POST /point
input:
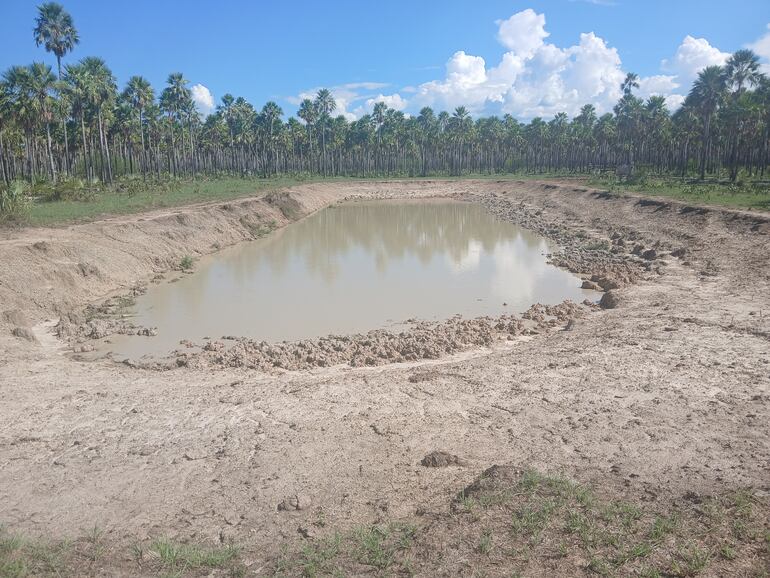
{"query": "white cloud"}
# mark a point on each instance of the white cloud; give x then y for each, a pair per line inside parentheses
(204, 100)
(523, 33)
(534, 77)
(346, 96)
(661, 85)
(538, 78)
(762, 48)
(762, 45)
(394, 101)
(692, 56)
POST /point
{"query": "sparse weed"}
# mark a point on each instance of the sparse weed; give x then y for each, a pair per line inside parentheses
(690, 561)
(485, 542)
(186, 263)
(177, 556)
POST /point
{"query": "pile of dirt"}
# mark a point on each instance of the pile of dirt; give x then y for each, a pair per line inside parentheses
(422, 340)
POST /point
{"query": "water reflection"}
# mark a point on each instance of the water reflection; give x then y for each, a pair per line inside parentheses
(352, 268)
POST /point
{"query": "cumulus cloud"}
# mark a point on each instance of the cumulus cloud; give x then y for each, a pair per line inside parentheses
(204, 100)
(692, 56)
(762, 48)
(538, 78)
(394, 101)
(523, 33)
(534, 77)
(349, 97)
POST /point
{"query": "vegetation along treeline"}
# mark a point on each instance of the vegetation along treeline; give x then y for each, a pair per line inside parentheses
(74, 123)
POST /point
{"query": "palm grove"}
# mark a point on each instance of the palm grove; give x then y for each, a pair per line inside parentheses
(75, 123)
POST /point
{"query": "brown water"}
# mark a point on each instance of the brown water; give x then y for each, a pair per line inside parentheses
(352, 268)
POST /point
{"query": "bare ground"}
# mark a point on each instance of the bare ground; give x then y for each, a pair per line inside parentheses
(666, 394)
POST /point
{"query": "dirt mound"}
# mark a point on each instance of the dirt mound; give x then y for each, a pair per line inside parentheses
(422, 340)
(439, 459)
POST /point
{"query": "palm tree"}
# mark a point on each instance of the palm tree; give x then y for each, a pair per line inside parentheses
(100, 90)
(742, 70)
(631, 82)
(309, 113)
(706, 95)
(75, 91)
(325, 105)
(271, 112)
(20, 103)
(460, 123)
(28, 95)
(41, 84)
(226, 110)
(139, 94)
(174, 101)
(55, 30)
(6, 115)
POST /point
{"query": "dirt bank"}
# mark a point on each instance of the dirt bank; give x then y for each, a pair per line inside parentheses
(667, 390)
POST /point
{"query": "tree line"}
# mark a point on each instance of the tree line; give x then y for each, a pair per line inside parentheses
(77, 123)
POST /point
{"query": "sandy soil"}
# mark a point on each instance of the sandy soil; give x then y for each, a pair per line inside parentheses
(668, 391)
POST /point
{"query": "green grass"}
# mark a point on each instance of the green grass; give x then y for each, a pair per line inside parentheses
(21, 557)
(523, 522)
(186, 263)
(743, 195)
(90, 202)
(539, 521)
(140, 197)
(379, 549)
(175, 557)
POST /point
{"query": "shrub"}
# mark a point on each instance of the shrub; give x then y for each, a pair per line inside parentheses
(186, 263)
(14, 202)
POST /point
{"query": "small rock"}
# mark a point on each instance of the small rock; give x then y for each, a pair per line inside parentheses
(294, 503)
(605, 282)
(609, 300)
(24, 333)
(650, 254)
(16, 317)
(590, 285)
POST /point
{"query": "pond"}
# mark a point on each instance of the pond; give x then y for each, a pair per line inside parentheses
(351, 268)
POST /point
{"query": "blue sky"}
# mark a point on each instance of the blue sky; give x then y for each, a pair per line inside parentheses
(408, 53)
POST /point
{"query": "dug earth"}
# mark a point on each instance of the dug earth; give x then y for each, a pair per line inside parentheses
(659, 389)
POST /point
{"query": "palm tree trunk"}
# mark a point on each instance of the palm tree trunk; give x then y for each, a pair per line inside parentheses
(85, 147)
(3, 169)
(104, 145)
(143, 158)
(50, 151)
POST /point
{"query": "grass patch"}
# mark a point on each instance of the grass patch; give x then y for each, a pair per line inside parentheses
(531, 523)
(379, 548)
(748, 194)
(186, 264)
(90, 554)
(135, 196)
(44, 204)
(178, 558)
(21, 557)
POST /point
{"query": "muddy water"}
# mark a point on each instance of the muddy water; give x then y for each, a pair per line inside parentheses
(351, 268)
